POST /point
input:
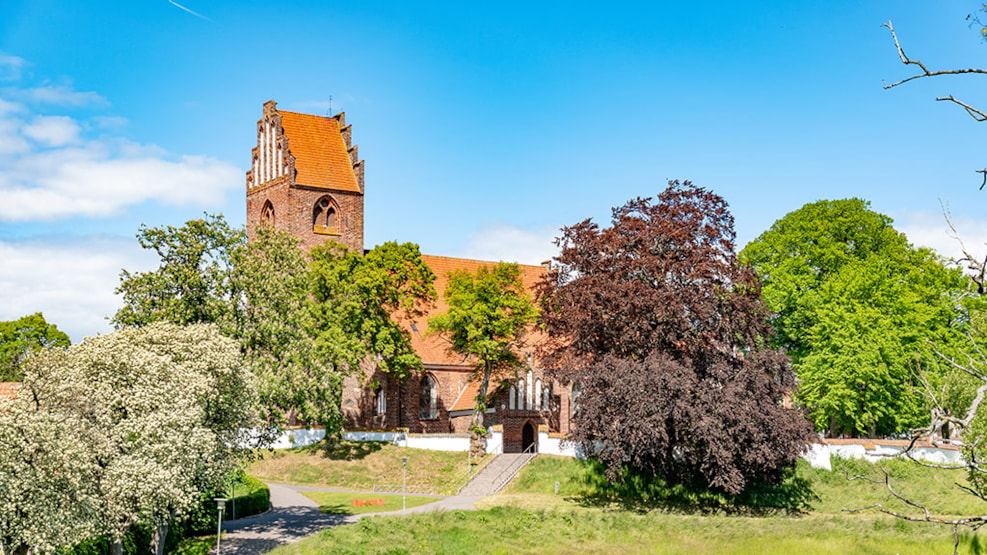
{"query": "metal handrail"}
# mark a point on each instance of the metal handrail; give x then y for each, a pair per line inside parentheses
(500, 481)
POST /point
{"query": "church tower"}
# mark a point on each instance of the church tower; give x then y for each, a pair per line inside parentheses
(306, 178)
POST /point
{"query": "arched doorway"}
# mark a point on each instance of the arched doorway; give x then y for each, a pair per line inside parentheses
(529, 438)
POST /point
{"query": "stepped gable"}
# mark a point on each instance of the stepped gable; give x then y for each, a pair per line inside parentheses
(306, 178)
(305, 150)
(433, 348)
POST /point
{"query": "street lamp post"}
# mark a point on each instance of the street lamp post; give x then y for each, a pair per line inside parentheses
(404, 487)
(220, 505)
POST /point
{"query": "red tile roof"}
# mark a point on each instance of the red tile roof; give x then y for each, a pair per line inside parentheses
(467, 397)
(432, 347)
(321, 157)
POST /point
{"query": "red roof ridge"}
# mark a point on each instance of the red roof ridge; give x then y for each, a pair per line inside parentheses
(480, 261)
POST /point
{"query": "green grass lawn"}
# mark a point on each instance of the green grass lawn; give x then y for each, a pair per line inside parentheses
(341, 503)
(359, 465)
(588, 515)
(511, 530)
(580, 483)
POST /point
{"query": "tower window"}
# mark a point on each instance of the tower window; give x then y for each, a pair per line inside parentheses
(267, 214)
(324, 217)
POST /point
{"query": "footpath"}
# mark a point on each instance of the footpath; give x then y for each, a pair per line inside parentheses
(293, 516)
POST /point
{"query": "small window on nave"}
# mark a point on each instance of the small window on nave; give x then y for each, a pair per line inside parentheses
(429, 398)
(381, 401)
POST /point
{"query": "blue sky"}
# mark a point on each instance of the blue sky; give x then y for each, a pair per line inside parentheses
(484, 128)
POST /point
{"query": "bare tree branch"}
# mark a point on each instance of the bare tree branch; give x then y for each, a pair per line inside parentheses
(976, 114)
(972, 263)
(925, 72)
(974, 523)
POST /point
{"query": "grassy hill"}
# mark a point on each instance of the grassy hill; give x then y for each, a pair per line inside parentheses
(809, 490)
(358, 465)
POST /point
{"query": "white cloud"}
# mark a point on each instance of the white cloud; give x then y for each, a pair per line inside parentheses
(112, 123)
(71, 283)
(7, 107)
(931, 230)
(60, 95)
(11, 141)
(512, 244)
(52, 130)
(62, 173)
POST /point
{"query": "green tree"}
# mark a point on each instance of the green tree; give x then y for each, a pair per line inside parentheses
(256, 292)
(855, 307)
(301, 324)
(271, 319)
(193, 282)
(489, 314)
(357, 302)
(19, 338)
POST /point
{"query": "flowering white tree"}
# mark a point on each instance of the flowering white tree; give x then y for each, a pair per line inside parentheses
(159, 412)
(45, 480)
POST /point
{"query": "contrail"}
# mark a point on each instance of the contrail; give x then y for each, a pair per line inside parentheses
(181, 7)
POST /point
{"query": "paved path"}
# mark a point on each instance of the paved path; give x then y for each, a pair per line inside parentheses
(496, 474)
(294, 516)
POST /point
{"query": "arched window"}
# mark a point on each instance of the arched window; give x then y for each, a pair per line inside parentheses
(546, 396)
(537, 398)
(267, 213)
(529, 394)
(381, 402)
(429, 398)
(324, 216)
(512, 398)
(520, 395)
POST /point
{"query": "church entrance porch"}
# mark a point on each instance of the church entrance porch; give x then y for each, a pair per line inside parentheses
(529, 439)
(521, 433)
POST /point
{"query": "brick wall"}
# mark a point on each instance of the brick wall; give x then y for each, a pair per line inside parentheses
(404, 406)
(293, 211)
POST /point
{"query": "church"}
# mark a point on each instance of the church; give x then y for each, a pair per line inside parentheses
(306, 177)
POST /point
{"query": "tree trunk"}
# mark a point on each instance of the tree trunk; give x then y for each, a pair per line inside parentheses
(161, 534)
(478, 432)
(116, 547)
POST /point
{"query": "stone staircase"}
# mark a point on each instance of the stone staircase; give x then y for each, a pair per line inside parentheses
(496, 474)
